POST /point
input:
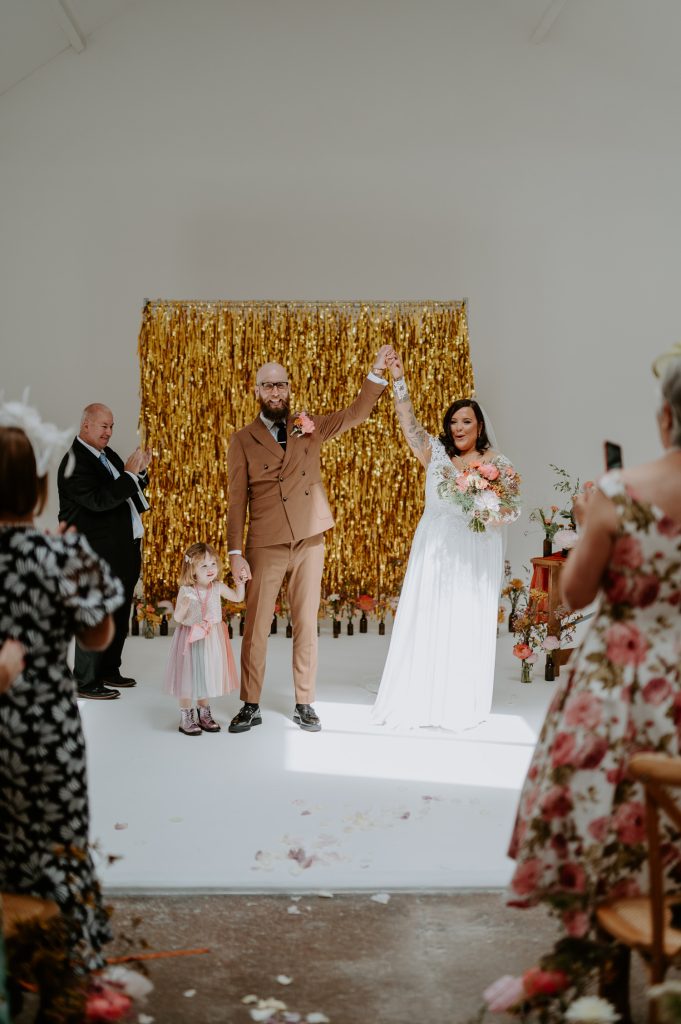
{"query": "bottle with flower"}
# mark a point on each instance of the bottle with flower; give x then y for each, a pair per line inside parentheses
(366, 605)
(334, 603)
(513, 591)
(530, 630)
(547, 518)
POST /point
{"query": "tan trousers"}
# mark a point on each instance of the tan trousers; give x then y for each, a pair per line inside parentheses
(304, 563)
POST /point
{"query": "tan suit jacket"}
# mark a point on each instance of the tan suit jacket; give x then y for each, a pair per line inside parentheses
(282, 491)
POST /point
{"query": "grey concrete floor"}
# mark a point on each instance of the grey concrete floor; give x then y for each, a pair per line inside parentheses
(419, 958)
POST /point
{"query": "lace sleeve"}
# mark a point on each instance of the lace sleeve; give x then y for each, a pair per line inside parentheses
(187, 610)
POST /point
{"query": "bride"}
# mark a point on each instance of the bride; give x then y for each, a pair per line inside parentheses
(440, 666)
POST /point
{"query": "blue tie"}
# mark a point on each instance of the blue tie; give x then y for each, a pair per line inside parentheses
(104, 461)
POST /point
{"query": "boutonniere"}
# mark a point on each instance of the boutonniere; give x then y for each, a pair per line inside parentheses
(302, 424)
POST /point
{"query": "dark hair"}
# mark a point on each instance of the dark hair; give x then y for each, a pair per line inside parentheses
(22, 491)
(482, 443)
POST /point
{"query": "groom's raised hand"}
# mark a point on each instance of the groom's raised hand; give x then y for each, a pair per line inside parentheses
(380, 360)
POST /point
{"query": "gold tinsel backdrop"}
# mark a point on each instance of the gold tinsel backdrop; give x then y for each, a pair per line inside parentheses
(198, 362)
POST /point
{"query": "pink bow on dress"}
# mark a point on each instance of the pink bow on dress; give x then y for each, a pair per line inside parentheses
(199, 631)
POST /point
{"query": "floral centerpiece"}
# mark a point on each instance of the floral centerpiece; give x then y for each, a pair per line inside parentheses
(151, 615)
(487, 492)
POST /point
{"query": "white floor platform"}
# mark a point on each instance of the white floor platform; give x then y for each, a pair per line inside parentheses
(351, 807)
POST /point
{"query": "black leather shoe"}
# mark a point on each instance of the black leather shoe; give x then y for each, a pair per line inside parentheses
(118, 680)
(98, 692)
(248, 716)
(306, 718)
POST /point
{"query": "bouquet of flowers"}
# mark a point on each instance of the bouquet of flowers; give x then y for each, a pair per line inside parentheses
(487, 492)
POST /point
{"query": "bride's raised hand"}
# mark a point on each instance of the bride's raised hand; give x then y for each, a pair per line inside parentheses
(394, 364)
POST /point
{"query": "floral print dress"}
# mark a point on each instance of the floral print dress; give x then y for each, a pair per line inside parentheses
(50, 588)
(580, 836)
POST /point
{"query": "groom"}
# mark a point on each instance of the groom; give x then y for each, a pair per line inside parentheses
(274, 475)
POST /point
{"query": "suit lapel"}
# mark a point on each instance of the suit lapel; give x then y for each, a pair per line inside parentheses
(290, 441)
(262, 435)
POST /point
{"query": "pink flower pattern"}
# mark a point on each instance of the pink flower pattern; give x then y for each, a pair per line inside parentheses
(580, 831)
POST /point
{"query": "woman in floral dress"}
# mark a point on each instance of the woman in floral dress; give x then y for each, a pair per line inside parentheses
(579, 837)
(52, 587)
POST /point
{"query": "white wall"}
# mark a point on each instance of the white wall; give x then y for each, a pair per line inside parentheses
(368, 149)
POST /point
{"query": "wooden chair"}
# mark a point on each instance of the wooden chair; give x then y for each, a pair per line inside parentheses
(644, 923)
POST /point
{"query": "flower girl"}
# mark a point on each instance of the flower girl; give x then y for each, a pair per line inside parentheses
(201, 664)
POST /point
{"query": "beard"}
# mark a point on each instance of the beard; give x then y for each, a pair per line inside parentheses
(278, 414)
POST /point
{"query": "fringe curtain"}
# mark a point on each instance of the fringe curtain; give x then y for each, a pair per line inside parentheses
(198, 362)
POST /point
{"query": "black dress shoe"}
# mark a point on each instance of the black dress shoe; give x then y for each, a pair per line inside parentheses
(118, 680)
(248, 716)
(306, 718)
(97, 692)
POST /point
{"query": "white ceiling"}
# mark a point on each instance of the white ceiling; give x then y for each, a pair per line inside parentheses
(33, 32)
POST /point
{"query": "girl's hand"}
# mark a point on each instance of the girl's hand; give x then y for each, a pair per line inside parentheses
(11, 663)
(394, 364)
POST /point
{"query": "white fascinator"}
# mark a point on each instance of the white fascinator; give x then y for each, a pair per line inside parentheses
(46, 440)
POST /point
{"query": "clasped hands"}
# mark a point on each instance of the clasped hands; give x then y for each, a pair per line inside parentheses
(388, 358)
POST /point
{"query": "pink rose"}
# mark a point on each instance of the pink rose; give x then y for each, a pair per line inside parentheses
(303, 424)
(626, 645)
(551, 643)
(462, 483)
(504, 993)
(645, 591)
(626, 553)
(617, 587)
(538, 982)
(489, 471)
(526, 876)
(630, 822)
(599, 828)
(656, 690)
(591, 752)
(562, 749)
(667, 527)
(572, 877)
(557, 803)
(522, 651)
(583, 709)
(576, 923)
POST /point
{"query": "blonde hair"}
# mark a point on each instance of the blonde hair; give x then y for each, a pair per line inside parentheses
(192, 556)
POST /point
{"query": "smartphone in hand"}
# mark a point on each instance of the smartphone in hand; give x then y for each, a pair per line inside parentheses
(613, 455)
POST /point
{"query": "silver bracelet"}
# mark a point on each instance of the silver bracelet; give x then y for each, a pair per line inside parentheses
(400, 389)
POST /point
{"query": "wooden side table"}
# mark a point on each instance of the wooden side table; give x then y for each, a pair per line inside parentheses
(546, 576)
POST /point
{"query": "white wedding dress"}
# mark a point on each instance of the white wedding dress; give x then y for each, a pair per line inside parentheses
(440, 666)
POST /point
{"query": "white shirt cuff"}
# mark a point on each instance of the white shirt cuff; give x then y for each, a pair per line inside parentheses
(235, 552)
(375, 379)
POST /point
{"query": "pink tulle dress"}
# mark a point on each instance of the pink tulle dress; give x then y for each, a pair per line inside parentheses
(201, 663)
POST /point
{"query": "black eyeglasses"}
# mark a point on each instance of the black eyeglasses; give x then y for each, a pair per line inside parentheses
(280, 385)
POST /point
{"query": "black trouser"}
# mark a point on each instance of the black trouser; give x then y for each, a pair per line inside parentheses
(92, 666)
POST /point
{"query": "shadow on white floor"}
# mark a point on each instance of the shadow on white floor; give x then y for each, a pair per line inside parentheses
(351, 807)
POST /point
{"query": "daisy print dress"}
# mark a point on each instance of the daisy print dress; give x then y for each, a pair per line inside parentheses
(51, 588)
